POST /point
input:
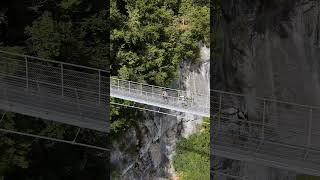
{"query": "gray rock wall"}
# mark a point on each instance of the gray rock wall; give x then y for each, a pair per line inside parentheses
(271, 49)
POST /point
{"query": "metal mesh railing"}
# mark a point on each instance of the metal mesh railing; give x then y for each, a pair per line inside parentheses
(275, 131)
(53, 90)
(177, 100)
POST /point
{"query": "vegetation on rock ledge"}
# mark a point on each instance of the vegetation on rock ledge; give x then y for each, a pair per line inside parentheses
(192, 159)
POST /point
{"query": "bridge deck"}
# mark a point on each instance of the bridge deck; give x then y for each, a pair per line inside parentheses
(152, 95)
(54, 91)
(276, 134)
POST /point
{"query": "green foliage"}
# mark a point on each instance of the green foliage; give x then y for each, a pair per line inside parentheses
(122, 117)
(192, 159)
(13, 49)
(197, 13)
(84, 42)
(13, 152)
(115, 174)
(148, 43)
(94, 38)
(67, 31)
(47, 36)
(66, 4)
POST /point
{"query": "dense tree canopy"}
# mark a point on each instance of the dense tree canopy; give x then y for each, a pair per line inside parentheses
(69, 38)
(150, 38)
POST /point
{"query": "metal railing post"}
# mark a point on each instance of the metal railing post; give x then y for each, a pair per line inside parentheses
(141, 89)
(152, 91)
(38, 86)
(78, 103)
(263, 125)
(27, 74)
(309, 133)
(99, 87)
(129, 86)
(62, 83)
(6, 95)
(263, 118)
(220, 104)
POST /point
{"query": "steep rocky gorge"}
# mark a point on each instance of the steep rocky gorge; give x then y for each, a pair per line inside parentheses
(145, 151)
(270, 49)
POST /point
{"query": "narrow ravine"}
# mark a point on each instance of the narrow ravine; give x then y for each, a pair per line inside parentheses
(195, 78)
(146, 150)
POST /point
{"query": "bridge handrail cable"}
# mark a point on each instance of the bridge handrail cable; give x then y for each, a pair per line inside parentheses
(53, 61)
(265, 99)
(156, 87)
(56, 85)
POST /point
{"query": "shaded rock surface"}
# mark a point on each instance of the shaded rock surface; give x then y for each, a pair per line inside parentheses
(271, 49)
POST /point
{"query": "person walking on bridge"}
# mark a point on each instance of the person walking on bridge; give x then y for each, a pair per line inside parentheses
(165, 95)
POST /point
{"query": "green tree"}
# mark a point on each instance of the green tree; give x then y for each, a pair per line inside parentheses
(84, 42)
(65, 31)
(14, 151)
(192, 158)
(148, 43)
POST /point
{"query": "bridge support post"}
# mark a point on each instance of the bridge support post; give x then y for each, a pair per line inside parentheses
(38, 86)
(309, 133)
(152, 91)
(118, 84)
(99, 87)
(263, 119)
(27, 74)
(61, 67)
(220, 104)
(141, 89)
(78, 103)
(129, 87)
(263, 126)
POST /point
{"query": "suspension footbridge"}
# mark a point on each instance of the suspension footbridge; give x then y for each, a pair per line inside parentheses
(278, 134)
(176, 100)
(78, 95)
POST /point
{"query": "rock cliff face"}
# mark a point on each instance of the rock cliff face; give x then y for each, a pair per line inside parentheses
(271, 49)
(145, 151)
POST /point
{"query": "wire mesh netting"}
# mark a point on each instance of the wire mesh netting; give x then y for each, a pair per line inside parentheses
(57, 91)
(274, 131)
(167, 98)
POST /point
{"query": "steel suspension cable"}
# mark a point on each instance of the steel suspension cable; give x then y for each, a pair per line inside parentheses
(53, 139)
